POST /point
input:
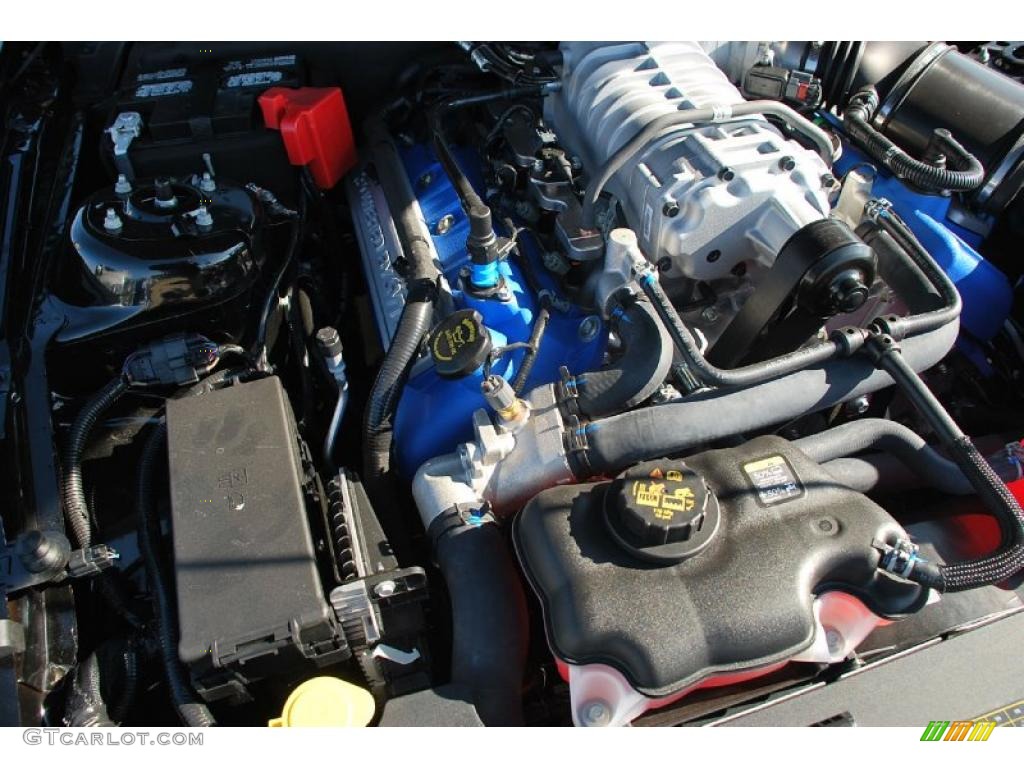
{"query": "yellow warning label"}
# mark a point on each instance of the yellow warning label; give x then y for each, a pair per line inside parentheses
(448, 343)
(665, 504)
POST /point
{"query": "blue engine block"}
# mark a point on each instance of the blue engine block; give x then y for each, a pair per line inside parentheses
(435, 414)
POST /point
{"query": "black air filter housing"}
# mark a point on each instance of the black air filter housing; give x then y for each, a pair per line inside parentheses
(787, 531)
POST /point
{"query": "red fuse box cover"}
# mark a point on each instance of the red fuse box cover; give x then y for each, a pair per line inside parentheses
(315, 126)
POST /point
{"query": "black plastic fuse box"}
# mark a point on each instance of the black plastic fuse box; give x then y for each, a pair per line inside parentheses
(250, 600)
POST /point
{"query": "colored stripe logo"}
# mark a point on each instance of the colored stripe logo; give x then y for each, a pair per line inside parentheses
(958, 730)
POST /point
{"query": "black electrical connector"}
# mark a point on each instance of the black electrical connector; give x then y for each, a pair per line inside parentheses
(179, 360)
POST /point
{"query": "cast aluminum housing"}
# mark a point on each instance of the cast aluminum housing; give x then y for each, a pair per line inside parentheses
(708, 197)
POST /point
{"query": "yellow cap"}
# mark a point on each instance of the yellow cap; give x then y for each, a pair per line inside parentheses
(326, 702)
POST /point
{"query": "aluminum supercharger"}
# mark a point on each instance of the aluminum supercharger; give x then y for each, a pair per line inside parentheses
(710, 204)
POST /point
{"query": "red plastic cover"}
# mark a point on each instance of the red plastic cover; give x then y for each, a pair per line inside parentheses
(315, 126)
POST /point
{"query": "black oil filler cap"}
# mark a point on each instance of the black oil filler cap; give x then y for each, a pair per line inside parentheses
(661, 511)
(459, 344)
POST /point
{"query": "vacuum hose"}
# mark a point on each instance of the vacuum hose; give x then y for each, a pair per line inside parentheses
(992, 491)
(966, 174)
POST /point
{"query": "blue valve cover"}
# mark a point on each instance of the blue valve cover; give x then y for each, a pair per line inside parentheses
(435, 414)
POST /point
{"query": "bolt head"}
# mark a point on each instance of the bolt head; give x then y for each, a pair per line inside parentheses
(726, 173)
(444, 224)
(385, 588)
(787, 163)
(589, 328)
(670, 209)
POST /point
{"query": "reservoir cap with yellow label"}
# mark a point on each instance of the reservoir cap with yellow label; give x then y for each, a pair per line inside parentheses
(661, 511)
(459, 344)
(326, 702)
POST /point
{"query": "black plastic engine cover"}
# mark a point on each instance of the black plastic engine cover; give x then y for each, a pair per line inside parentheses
(787, 533)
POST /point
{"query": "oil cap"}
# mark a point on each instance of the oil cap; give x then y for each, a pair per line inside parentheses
(661, 511)
(459, 344)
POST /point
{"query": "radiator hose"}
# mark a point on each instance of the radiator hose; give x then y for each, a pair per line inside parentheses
(637, 374)
(607, 445)
(889, 438)
(489, 618)
(1009, 559)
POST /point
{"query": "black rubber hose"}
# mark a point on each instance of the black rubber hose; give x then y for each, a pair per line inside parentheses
(129, 681)
(910, 249)
(489, 619)
(992, 491)
(745, 376)
(615, 442)
(467, 194)
(76, 509)
(415, 321)
(694, 117)
(540, 324)
(889, 437)
(917, 256)
(192, 712)
(637, 373)
(967, 173)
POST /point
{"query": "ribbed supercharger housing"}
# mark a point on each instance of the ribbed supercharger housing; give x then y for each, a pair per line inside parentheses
(709, 197)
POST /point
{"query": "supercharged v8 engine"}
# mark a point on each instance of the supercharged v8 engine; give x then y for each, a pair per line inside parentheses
(579, 383)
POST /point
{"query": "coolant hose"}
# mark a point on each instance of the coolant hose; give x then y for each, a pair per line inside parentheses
(746, 376)
(607, 445)
(967, 173)
(489, 619)
(421, 279)
(1009, 559)
(76, 508)
(694, 117)
(192, 712)
(888, 437)
(637, 374)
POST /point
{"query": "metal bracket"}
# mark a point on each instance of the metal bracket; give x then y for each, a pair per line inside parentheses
(126, 128)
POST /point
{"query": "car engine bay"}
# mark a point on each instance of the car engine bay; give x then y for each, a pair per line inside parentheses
(580, 383)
